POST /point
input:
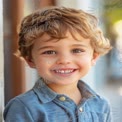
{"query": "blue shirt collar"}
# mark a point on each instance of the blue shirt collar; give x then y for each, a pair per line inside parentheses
(45, 94)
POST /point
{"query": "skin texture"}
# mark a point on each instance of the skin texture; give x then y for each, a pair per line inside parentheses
(62, 63)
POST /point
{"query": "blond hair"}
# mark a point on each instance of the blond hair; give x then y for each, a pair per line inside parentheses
(56, 21)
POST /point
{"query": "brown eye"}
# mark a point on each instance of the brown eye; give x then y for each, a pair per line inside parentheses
(77, 50)
(50, 52)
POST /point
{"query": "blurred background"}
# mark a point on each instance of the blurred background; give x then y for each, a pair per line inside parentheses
(105, 77)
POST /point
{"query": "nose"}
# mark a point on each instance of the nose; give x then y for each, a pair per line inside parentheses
(64, 59)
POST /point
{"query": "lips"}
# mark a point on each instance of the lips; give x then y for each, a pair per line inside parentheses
(64, 71)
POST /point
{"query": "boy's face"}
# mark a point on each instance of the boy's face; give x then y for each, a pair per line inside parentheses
(62, 62)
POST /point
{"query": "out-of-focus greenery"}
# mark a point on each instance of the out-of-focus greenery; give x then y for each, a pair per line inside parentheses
(114, 15)
(113, 10)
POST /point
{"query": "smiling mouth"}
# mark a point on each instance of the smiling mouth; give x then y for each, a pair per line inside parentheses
(64, 71)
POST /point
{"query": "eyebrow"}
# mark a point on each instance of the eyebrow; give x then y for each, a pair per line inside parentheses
(80, 45)
(45, 47)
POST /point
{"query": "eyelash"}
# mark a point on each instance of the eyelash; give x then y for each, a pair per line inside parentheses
(52, 52)
(49, 52)
(78, 50)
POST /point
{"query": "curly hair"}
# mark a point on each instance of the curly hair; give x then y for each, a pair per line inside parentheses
(56, 21)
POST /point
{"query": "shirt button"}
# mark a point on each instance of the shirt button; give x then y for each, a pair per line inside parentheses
(62, 98)
(81, 109)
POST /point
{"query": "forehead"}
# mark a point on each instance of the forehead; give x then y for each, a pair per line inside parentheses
(75, 36)
(69, 40)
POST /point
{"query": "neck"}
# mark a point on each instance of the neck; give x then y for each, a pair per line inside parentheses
(63, 89)
(71, 91)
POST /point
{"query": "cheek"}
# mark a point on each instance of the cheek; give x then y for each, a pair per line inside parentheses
(84, 60)
(85, 64)
(49, 61)
(44, 62)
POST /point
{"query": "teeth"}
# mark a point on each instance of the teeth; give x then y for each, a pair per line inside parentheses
(63, 71)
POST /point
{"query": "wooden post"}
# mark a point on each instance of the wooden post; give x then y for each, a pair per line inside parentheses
(14, 67)
(18, 72)
(1, 62)
(44, 3)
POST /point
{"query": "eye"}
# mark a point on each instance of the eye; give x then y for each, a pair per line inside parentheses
(78, 50)
(49, 52)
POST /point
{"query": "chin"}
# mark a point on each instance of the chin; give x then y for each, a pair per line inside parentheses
(65, 82)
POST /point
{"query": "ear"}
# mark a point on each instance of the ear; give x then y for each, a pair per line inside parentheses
(30, 62)
(95, 58)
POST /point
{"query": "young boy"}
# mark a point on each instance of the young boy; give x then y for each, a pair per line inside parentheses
(62, 44)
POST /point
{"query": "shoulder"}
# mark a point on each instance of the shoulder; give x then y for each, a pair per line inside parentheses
(28, 96)
(99, 103)
(24, 99)
(20, 106)
(101, 100)
(101, 107)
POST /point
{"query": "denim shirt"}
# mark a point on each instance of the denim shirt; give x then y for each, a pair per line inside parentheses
(41, 104)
